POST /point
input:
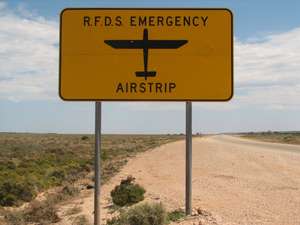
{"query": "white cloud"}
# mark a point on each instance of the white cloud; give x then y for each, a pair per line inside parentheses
(267, 69)
(267, 72)
(28, 56)
(272, 62)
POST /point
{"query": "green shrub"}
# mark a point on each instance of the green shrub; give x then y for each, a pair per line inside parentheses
(175, 215)
(127, 193)
(84, 138)
(8, 199)
(144, 214)
(58, 174)
(11, 192)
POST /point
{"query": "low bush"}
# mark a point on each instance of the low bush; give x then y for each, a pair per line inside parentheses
(127, 193)
(42, 212)
(143, 214)
(84, 138)
(176, 215)
(11, 192)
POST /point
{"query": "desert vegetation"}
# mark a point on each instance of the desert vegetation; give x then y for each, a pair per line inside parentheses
(127, 197)
(33, 163)
(146, 214)
(40, 212)
(275, 136)
(127, 193)
(175, 215)
(142, 214)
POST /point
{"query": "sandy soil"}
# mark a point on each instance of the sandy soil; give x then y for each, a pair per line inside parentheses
(236, 181)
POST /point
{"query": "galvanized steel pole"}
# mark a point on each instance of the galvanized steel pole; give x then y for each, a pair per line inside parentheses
(97, 163)
(188, 163)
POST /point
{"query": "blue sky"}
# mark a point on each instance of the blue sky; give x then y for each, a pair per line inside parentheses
(267, 73)
(252, 18)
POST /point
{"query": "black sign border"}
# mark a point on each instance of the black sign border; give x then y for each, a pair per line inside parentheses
(147, 100)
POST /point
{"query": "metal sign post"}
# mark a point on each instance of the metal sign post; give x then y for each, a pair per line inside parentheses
(97, 163)
(188, 163)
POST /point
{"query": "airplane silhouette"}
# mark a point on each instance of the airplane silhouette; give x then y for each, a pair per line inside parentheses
(145, 44)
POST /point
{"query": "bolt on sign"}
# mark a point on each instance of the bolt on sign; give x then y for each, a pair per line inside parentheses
(146, 54)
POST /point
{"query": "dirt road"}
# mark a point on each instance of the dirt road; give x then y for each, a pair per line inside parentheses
(238, 181)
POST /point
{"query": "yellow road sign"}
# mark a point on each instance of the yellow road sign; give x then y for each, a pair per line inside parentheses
(146, 54)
